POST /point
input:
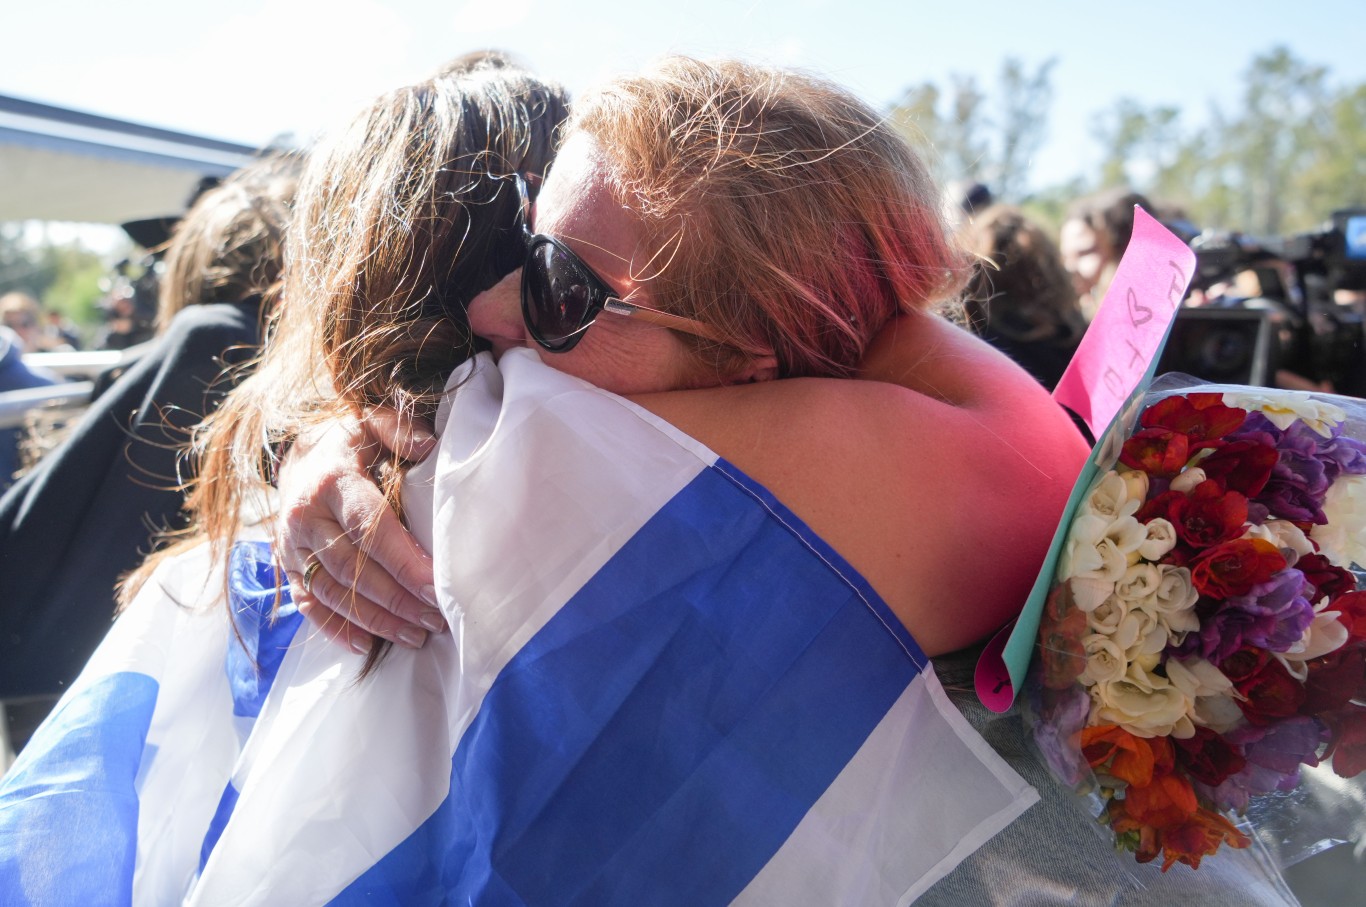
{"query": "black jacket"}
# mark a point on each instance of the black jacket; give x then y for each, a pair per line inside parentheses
(87, 513)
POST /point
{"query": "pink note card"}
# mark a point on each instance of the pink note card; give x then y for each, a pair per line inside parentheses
(1130, 325)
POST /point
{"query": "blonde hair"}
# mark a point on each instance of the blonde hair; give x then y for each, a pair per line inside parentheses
(783, 210)
(400, 221)
(230, 245)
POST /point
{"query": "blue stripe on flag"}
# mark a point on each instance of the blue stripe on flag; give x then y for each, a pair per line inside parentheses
(221, 815)
(662, 735)
(263, 636)
(68, 809)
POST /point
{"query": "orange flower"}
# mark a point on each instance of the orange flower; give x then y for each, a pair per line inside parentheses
(1198, 837)
(1131, 759)
(1168, 801)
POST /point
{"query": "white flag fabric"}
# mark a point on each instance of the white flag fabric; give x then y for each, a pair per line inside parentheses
(660, 687)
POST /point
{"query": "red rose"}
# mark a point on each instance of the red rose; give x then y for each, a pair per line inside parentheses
(1233, 568)
(1334, 680)
(1244, 663)
(1349, 743)
(1061, 653)
(1270, 695)
(1201, 417)
(1210, 516)
(1156, 451)
(1208, 758)
(1325, 576)
(1353, 616)
(1169, 505)
(1243, 465)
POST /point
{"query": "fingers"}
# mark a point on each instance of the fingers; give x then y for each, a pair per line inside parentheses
(346, 615)
(374, 578)
(350, 574)
(332, 626)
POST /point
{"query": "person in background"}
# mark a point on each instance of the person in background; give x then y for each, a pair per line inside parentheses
(88, 511)
(1020, 297)
(14, 375)
(22, 314)
(1093, 238)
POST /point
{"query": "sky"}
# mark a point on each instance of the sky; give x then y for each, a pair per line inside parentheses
(251, 70)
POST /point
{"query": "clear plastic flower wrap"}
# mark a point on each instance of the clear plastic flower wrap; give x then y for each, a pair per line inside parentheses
(1204, 639)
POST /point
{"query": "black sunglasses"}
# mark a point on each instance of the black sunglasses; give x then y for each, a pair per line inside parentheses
(562, 296)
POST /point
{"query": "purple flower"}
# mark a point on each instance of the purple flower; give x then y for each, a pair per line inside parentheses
(1274, 755)
(1298, 480)
(1273, 615)
(1341, 456)
(1062, 713)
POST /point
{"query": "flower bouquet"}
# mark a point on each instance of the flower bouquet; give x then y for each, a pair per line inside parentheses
(1205, 636)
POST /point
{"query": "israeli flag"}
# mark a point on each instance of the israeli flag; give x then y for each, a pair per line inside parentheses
(660, 687)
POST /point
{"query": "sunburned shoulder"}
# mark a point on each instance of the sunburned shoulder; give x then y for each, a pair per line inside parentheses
(944, 503)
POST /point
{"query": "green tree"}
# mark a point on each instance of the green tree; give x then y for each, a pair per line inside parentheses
(1291, 152)
(65, 277)
(961, 136)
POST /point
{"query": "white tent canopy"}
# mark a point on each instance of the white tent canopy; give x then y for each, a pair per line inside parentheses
(59, 164)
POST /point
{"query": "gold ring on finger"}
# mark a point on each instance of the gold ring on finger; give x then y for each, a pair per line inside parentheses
(314, 565)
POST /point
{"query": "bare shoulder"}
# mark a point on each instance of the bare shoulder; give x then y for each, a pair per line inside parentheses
(942, 488)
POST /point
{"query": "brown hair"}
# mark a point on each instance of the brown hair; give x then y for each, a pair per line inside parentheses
(400, 221)
(230, 245)
(787, 212)
(1110, 213)
(1019, 290)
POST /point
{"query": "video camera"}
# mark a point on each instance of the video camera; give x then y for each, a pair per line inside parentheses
(1273, 304)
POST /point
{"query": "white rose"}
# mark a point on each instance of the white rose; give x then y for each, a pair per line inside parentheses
(1099, 549)
(1105, 661)
(1144, 705)
(1343, 539)
(1079, 554)
(1135, 483)
(1161, 538)
(1106, 616)
(1139, 582)
(1088, 592)
(1141, 635)
(1127, 534)
(1218, 713)
(1174, 601)
(1324, 634)
(1188, 479)
(1110, 498)
(1284, 407)
(1197, 677)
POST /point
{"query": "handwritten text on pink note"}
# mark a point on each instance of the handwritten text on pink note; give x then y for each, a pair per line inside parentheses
(1128, 329)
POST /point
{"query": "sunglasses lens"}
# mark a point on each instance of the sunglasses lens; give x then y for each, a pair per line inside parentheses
(556, 296)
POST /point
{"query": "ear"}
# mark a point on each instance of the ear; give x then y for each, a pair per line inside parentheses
(757, 368)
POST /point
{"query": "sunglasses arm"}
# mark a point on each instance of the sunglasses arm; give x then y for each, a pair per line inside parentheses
(663, 319)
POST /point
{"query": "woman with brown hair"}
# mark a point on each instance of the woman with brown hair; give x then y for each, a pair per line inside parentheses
(1020, 298)
(90, 509)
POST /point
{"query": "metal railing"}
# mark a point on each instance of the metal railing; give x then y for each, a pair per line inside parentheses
(82, 364)
(15, 404)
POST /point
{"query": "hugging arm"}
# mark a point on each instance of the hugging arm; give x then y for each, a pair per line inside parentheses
(945, 446)
(373, 579)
